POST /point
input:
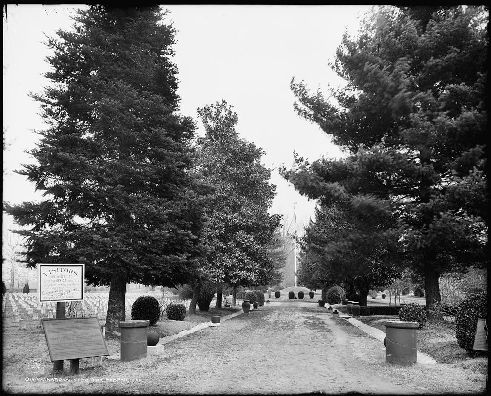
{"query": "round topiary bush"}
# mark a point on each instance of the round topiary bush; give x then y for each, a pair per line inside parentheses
(383, 296)
(277, 294)
(291, 294)
(311, 295)
(260, 297)
(473, 307)
(175, 311)
(413, 313)
(300, 294)
(146, 308)
(321, 303)
(251, 296)
(335, 295)
(419, 292)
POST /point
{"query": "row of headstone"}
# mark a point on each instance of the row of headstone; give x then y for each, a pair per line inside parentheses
(25, 307)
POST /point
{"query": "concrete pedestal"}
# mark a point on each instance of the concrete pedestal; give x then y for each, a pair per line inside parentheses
(133, 339)
(400, 342)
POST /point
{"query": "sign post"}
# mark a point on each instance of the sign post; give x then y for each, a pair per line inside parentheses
(60, 283)
(60, 314)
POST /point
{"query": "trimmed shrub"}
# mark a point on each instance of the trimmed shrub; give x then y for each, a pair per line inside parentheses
(260, 297)
(4, 288)
(405, 291)
(311, 295)
(344, 309)
(321, 303)
(383, 296)
(450, 309)
(475, 306)
(291, 294)
(335, 295)
(251, 296)
(26, 289)
(439, 310)
(413, 313)
(384, 309)
(419, 292)
(175, 311)
(364, 311)
(300, 295)
(146, 308)
(355, 310)
(277, 294)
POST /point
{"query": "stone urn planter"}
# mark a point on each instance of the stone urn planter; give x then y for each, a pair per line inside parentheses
(246, 306)
(311, 295)
(153, 336)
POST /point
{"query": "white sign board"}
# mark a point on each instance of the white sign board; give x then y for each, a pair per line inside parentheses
(61, 282)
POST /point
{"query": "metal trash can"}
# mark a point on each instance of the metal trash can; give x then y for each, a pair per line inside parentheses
(133, 339)
(400, 342)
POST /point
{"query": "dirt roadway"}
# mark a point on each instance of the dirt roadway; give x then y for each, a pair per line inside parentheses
(282, 348)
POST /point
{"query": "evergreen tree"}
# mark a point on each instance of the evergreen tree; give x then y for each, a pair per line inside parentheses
(114, 162)
(238, 231)
(344, 246)
(413, 116)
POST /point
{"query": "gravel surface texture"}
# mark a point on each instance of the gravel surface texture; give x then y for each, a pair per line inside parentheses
(283, 348)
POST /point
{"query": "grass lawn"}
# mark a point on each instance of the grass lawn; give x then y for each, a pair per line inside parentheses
(437, 339)
(25, 352)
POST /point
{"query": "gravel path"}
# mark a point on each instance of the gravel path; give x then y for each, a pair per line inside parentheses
(282, 348)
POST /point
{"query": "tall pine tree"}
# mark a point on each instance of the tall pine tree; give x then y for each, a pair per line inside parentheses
(415, 103)
(114, 162)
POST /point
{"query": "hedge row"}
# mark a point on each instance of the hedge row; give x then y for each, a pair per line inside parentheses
(372, 310)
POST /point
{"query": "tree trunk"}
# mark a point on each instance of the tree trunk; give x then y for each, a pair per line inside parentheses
(116, 309)
(234, 296)
(363, 295)
(219, 296)
(432, 287)
(194, 300)
(324, 293)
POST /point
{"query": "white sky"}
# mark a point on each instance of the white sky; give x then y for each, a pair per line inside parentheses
(246, 55)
